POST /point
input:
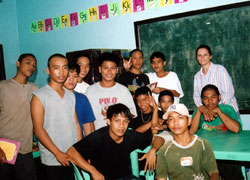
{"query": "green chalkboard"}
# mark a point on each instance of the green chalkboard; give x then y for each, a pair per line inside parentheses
(225, 29)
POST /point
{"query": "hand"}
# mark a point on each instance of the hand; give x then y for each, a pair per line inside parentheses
(217, 111)
(2, 156)
(63, 158)
(159, 127)
(157, 90)
(150, 157)
(96, 175)
(104, 111)
(127, 64)
(151, 102)
(208, 114)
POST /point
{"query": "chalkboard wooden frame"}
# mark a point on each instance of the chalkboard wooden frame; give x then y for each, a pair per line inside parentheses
(2, 69)
(186, 14)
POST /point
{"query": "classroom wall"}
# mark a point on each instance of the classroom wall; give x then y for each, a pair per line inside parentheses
(115, 32)
(9, 36)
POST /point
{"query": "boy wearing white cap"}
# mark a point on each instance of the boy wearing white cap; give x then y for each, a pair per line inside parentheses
(186, 156)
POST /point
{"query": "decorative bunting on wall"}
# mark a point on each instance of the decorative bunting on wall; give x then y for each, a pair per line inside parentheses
(96, 13)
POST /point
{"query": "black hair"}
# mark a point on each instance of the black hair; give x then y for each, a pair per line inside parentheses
(55, 55)
(205, 47)
(135, 50)
(144, 90)
(74, 67)
(22, 56)
(166, 93)
(106, 56)
(117, 109)
(210, 87)
(81, 54)
(157, 55)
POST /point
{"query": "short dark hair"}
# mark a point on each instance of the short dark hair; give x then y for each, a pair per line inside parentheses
(210, 87)
(157, 55)
(81, 54)
(22, 56)
(74, 67)
(135, 50)
(55, 55)
(144, 90)
(117, 109)
(106, 56)
(205, 47)
(166, 93)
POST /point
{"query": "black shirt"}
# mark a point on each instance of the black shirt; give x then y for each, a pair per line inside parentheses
(108, 157)
(129, 78)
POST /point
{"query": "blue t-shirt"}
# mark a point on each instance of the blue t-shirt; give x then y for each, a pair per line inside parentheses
(83, 109)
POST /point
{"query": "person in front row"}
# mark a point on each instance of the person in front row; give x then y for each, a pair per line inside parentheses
(84, 111)
(212, 115)
(186, 156)
(109, 148)
(55, 120)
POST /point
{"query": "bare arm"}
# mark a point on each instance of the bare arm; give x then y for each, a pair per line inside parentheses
(230, 123)
(82, 163)
(37, 113)
(143, 128)
(214, 176)
(158, 90)
(161, 178)
(78, 128)
(88, 128)
(155, 118)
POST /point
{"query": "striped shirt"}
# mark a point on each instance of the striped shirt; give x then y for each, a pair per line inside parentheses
(218, 76)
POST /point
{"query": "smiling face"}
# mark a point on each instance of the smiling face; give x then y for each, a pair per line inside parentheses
(203, 57)
(108, 69)
(137, 60)
(71, 80)
(118, 126)
(143, 103)
(158, 64)
(27, 66)
(210, 99)
(178, 123)
(165, 102)
(84, 64)
(58, 69)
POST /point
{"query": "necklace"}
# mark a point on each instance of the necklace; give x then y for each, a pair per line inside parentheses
(147, 120)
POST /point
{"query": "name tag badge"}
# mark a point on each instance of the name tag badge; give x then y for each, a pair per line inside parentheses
(186, 161)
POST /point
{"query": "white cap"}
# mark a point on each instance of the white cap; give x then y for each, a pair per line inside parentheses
(179, 108)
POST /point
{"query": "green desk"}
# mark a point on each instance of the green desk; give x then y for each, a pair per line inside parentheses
(227, 145)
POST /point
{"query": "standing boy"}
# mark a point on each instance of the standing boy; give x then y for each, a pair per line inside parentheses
(165, 80)
(15, 118)
(107, 92)
(84, 111)
(186, 156)
(108, 148)
(55, 121)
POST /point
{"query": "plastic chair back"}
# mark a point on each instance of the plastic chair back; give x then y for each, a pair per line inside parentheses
(78, 175)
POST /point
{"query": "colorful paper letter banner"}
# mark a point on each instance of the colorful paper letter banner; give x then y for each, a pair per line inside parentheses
(166, 2)
(103, 11)
(93, 15)
(40, 26)
(73, 19)
(48, 24)
(151, 4)
(179, 1)
(126, 6)
(65, 20)
(83, 17)
(33, 27)
(138, 5)
(56, 23)
(114, 9)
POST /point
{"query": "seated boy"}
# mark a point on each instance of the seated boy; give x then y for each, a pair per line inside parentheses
(84, 111)
(109, 148)
(186, 156)
(148, 114)
(213, 115)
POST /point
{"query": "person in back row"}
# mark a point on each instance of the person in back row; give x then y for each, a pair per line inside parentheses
(107, 92)
(108, 149)
(134, 77)
(84, 111)
(15, 118)
(164, 80)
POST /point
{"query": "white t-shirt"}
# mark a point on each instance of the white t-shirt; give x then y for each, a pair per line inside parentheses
(81, 87)
(170, 81)
(100, 98)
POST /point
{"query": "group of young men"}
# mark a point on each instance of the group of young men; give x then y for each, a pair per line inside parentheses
(62, 117)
